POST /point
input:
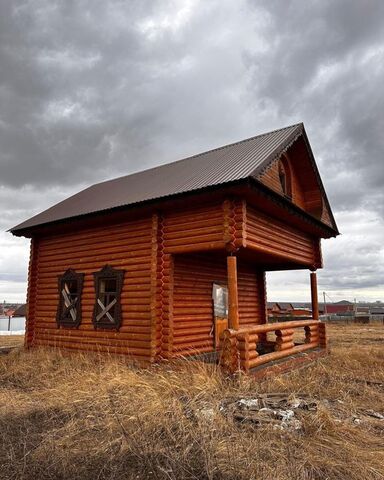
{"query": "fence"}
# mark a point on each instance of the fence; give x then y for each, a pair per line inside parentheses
(13, 324)
(347, 319)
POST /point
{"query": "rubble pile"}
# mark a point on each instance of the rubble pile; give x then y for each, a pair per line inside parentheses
(279, 411)
(275, 409)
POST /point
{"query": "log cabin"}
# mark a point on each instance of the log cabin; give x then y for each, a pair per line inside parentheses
(171, 262)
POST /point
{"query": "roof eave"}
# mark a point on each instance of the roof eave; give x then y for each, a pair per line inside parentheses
(251, 182)
(29, 231)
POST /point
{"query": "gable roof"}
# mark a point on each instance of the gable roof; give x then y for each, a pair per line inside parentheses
(220, 166)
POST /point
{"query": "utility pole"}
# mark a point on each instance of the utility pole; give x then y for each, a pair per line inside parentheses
(325, 304)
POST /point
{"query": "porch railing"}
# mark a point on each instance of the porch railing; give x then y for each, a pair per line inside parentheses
(250, 347)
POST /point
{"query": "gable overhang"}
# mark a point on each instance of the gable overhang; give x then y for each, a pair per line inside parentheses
(294, 137)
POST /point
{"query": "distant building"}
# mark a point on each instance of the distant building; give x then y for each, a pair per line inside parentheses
(338, 309)
(21, 311)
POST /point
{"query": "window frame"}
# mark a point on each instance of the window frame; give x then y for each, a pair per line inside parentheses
(108, 273)
(215, 286)
(285, 176)
(63, 319)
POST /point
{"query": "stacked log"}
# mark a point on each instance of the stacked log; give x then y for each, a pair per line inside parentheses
(126, 246)
(284, 339)
(229, 354)
(31, 294)
(192, 300)
(239, 346)
(322, 335)
(311, 334)
(247, 343)
(268, 235)
(235, 218)
(194, 230)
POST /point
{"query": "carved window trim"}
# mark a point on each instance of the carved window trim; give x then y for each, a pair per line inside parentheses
(69, 308)
(103, 302)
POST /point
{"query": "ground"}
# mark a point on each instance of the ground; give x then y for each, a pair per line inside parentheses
(81, 416)
(11, 340)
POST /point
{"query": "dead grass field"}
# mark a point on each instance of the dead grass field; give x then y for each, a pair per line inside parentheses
(86, 417)
(11, 340)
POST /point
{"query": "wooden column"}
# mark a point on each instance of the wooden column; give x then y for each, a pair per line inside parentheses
(233, 302)
(314, 298)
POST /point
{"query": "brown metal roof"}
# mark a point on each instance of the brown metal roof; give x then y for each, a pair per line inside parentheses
(215, 167)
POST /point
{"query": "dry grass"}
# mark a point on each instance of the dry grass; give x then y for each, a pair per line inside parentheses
(80, 417)
(11, 340)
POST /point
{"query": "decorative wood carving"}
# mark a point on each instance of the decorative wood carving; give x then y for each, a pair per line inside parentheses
(107, 314)
(69, 308)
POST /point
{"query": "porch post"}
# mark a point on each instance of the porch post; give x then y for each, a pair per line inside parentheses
(314, 298)
(233, 303)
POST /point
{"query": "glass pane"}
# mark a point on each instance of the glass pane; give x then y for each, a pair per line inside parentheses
(108, 285)
(220, 300)
(71, 286)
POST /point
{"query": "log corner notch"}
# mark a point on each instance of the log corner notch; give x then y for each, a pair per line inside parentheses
(235, 223)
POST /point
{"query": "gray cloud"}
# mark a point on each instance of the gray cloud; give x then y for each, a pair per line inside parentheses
(94, 89)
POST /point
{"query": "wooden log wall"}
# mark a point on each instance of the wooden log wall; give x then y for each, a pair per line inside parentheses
(192, 295)
(145, 250)
(269, 235)
(126, 246)
(31, 293)
(194, 229)
(166, 294)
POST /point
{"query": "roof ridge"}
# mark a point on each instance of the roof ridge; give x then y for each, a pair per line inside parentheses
(300, 124)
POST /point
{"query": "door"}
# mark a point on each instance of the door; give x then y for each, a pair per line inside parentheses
(220, 311)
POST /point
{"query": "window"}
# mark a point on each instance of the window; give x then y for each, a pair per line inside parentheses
(107, 310)
(285, 177)
(220, 300)
(69, 309)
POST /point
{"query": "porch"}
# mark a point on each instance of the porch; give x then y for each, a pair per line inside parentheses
(282, 345)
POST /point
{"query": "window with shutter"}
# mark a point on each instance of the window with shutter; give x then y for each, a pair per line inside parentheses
(69, 308)
(107, 310)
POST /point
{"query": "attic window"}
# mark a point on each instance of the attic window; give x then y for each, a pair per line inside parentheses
(107, 310)
(69, 309)
(285, 177)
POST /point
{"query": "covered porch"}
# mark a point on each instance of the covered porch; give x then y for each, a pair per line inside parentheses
(280, 346)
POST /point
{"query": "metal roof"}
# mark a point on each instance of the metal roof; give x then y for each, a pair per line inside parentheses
(232, 162)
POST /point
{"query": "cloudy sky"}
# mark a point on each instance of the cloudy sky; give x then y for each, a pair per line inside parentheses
(90, 90)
